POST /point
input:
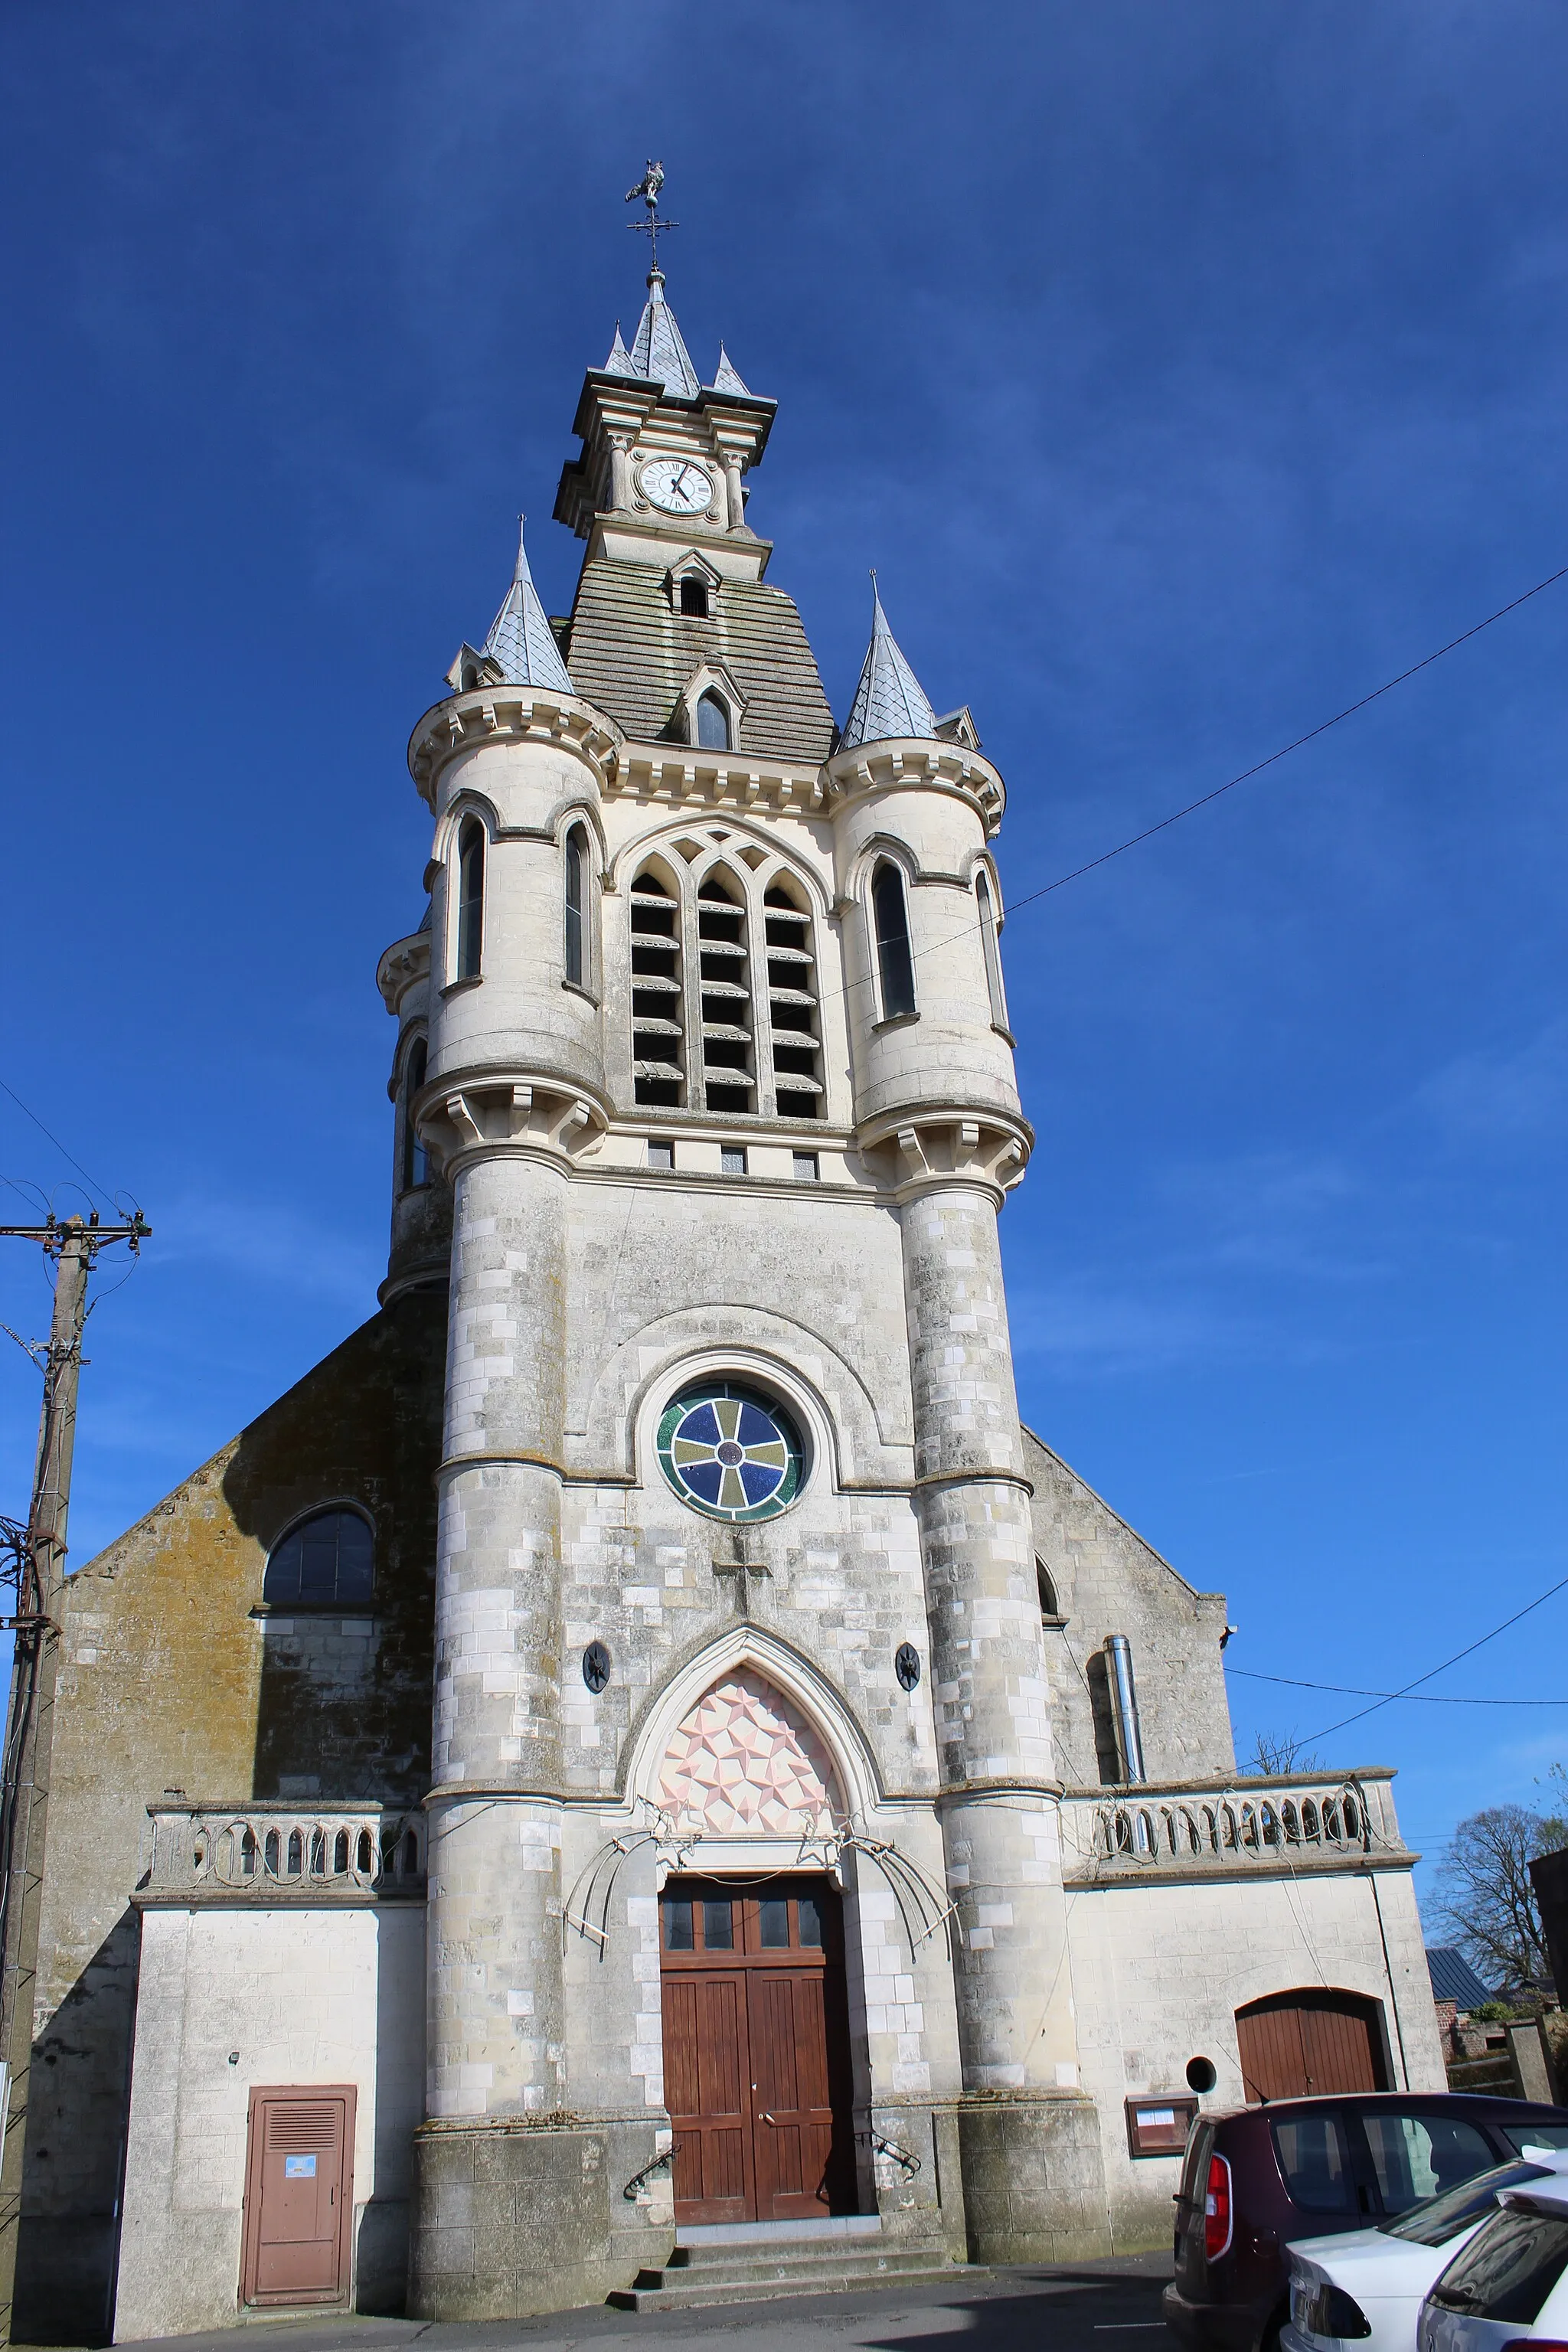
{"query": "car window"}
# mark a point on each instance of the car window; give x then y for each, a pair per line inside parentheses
(1314, 2155)
(1509, 2268)
(1438, 2219)
(1419, 2155)
(1550, 2139)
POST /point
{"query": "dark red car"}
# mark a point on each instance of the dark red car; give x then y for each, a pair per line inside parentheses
(1253, 2181)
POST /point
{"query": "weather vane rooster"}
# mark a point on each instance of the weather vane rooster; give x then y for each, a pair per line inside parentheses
(648, 188)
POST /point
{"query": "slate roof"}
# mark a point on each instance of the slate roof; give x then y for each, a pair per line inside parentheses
(724, 376)
(1453, 1978)
(521, 638)
(889, 698)
(658, 352)
(631, 655)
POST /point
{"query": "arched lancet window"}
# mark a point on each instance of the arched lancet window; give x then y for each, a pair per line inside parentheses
(470, 897)
(792, 1003)
(895, 963)
(993, 950)
(415, 1168)
(577, 895)
(328, 1559)
(658, 1026)
(1050, 1607)
(712, 722)
(725, 979)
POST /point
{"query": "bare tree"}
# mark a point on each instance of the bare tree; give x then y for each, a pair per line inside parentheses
(1485, 1899)
(1278, 1752)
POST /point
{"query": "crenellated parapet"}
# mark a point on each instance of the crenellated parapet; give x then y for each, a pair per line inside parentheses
(496, 715)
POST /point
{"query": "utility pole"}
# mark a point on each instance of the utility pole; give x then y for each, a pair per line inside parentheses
(39, 1555)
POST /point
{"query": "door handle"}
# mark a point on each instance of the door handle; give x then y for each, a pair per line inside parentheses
(767, 2118)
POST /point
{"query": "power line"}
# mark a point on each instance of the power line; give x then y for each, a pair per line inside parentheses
(1163, 824)
(1417, 1699)
(1469, 1651)
(59, 1147)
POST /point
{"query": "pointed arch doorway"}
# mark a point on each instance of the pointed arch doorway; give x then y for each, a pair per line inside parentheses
(758, 2076)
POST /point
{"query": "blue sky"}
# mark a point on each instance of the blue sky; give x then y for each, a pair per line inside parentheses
(1185, 373)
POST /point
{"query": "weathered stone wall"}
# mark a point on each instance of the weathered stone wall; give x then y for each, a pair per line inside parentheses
(172, 1680)
(233, 2000)
(1109, 1580)
(1159, 1971)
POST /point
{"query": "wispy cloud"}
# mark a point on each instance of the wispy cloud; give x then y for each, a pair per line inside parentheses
(1504, 1098)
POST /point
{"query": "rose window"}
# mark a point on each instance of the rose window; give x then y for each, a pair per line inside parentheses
(730, 1451)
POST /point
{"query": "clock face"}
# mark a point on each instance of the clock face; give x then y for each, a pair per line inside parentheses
(677, 485)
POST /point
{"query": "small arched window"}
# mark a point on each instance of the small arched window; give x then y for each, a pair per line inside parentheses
(1050, 1607)
(576, 943)
(470, 897)
(895, 964)
(992, 948)
(415, 1168)
(327, 1561)
(712, 722)
(694, 597)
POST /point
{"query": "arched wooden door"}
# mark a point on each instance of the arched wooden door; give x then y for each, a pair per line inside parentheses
(1305, 2044)
(757, 2049)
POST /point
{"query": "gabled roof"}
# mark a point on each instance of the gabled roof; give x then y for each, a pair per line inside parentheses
(521, 639)
(657, 353)
(725, 378)
(890, 699)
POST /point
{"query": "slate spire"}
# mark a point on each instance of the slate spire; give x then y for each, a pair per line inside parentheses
(890, 699)
(658, 352)
(725, 377)
(620, 359)
(521, 639)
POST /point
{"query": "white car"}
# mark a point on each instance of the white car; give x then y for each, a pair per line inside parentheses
(1508, 2284)
(1365, 2287)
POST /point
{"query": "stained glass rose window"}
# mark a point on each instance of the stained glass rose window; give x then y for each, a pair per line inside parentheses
(731, 1452)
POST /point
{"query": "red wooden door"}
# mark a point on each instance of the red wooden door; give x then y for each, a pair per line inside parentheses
(756, 2041)
(707, 2087)
(299, 2195)
(1298, 2046)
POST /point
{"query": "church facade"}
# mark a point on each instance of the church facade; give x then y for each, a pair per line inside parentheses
(642, 1740)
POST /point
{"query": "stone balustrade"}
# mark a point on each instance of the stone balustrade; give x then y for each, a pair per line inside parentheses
(1204, 1828)
(282, 1851)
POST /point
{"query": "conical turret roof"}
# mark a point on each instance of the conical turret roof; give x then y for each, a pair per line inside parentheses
(521, 639)
(658, 352)
(890, 699)
(620, 359)
(725, 378)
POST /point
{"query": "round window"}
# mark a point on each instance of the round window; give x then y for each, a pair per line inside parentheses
(730, 1451)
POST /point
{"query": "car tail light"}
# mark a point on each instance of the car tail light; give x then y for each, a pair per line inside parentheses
(1216, 2209)
(1320, 2309)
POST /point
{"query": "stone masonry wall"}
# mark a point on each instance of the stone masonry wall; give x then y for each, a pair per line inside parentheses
(171, 1681)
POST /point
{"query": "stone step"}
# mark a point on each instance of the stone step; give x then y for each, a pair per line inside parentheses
(749, 2273)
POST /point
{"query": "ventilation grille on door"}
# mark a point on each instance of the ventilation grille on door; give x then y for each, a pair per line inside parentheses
(303, 2127)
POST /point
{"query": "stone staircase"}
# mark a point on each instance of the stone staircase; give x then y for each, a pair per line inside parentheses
(757, 2262)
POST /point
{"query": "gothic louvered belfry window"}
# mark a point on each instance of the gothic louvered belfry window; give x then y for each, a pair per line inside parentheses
(792, 1005)
(658, 1058)
(725, 986)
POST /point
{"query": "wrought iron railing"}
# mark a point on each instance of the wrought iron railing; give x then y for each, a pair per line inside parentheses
(256, 1852)
(1225, 1824)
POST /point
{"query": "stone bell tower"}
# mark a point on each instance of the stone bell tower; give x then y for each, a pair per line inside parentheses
(708, 1038)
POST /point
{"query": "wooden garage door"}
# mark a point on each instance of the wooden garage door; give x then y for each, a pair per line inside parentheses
(756, 2051)
(1298, 2045)
(299, 2195)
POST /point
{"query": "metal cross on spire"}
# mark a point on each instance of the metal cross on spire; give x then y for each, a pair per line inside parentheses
(648, 188)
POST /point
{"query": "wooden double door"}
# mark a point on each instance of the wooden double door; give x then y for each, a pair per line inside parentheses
(757, 2049)
(1307, 2045)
